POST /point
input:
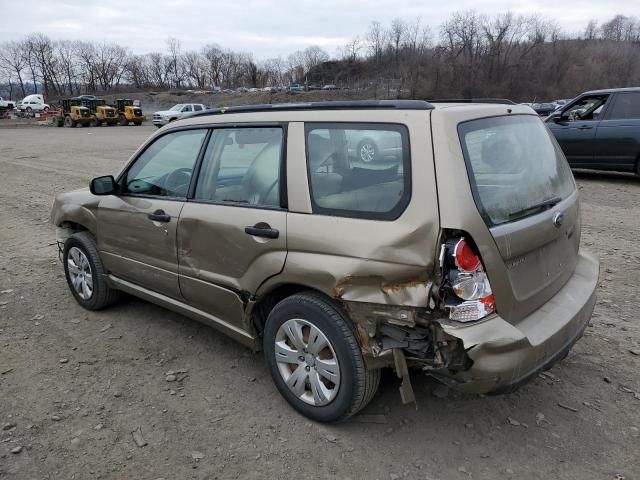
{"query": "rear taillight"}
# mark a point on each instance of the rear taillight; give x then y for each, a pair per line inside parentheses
(466, 290)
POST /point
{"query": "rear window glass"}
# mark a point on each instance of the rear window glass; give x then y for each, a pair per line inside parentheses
(358, 170)
(515, 168)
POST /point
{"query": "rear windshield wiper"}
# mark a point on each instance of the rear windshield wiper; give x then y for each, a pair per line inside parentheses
(541, 206)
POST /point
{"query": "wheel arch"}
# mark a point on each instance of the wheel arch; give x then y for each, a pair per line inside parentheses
(269, 298)
(69, 217)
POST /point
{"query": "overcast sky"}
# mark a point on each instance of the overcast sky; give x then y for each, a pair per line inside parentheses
(265, 28)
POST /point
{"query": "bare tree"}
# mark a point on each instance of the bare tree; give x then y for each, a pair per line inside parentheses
(13, 58)
(375, 41)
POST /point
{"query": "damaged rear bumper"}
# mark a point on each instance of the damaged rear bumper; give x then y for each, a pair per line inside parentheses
(505, 356)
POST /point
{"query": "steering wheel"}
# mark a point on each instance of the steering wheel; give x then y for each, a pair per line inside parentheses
(177, 182)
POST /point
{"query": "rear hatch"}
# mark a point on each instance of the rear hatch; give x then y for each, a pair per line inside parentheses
(523, 212)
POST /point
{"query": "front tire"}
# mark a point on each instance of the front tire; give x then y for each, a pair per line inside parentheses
(122, 120)
(85, 273)
(315, 359)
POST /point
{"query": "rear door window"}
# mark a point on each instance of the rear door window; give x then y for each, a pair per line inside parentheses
(358, 170)
(242, 166)
(626, 106)
(516, 168)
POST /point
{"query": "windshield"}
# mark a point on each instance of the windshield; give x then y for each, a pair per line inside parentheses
(515, 167)
(176, 108)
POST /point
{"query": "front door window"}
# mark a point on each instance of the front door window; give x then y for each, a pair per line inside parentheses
(164, 169)
(587, 108)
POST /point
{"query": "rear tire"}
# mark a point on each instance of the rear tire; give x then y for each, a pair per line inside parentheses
(122, 120)
(82, 263)
(137, 124)
(347, 388)
(69, 122)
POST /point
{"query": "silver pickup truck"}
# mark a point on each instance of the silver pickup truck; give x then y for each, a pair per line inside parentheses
(176, 112)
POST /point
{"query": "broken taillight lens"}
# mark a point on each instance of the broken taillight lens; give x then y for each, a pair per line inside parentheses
(468, 294)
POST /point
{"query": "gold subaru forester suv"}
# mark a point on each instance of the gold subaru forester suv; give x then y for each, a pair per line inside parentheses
(345, 237)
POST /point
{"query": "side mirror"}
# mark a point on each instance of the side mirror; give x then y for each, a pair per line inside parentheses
(104, 185)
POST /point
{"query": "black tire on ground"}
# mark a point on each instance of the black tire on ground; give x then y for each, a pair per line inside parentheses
(102, 295)
(137, 124)
(367, 146)
(69, 122)
(46, 109)
(357, 385)
(29, 110)
(60, 122)
(122, 120)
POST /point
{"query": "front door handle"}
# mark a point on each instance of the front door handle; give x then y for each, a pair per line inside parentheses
(585, 127)
(262, 229)
(159, 216)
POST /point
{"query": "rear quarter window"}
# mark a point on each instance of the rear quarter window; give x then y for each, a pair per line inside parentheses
(358, 170)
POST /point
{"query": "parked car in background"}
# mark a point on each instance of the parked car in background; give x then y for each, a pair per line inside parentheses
(8, 104)
(296, 87)
(32, 103)
(543, 109)
(561, 102)
(176, 112)
(374, 145)
(86, 97)
(600, 129)
(330, 87)
(460, 259)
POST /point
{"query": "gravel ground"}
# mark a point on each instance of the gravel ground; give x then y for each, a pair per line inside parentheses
(76, 385)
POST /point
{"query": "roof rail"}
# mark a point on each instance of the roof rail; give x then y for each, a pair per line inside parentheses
(328, 105)
(504, 101)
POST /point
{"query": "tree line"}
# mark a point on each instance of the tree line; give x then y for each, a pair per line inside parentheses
(524, 57)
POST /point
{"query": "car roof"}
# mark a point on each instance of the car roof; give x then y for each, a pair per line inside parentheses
(612, 90)
(329, 105)
(395, 111)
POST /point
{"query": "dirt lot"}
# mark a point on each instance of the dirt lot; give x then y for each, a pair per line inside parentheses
(74, 385)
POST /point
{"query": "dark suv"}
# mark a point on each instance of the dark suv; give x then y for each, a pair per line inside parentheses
(601, 130)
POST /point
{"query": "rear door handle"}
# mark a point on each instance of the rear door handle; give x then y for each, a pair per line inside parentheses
(585, 127)
(262, 229)
(159, 216)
